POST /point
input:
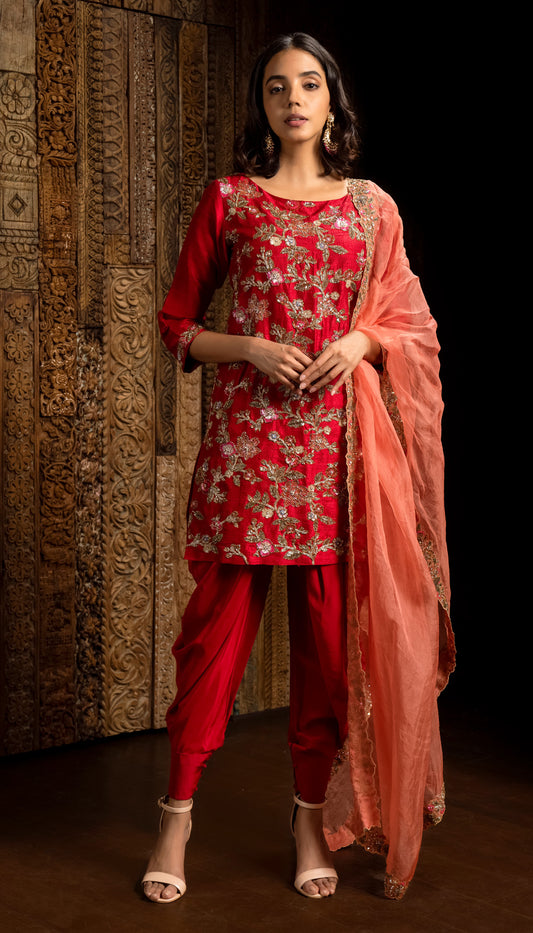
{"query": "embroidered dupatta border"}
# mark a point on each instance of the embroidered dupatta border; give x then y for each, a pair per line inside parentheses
(359, 750)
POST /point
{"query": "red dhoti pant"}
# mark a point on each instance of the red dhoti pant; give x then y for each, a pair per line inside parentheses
(219, 627)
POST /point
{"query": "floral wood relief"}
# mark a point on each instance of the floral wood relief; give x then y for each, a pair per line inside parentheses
(168, 141)
(57, 148)
(115, 136)
(90, 70)
(166, 584)
(17, 603)
(18, 182)
(129, 487)
(90, 616)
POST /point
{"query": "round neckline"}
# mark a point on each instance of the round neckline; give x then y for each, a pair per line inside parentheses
(278, 197)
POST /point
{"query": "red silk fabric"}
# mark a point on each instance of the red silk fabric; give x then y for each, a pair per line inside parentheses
(219, 627)
(270, 479)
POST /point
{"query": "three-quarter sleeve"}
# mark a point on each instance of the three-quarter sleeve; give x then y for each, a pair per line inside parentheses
(202, 267)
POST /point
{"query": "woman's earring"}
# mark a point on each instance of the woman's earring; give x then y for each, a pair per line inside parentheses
(269, 144)
(329, 145)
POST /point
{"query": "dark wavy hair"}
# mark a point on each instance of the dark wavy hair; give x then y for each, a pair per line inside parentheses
(249, 153)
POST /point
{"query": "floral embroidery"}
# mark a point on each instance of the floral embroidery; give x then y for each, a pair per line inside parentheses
(270, 482)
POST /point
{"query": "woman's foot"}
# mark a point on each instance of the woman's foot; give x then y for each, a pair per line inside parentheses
(169, 853)
(312, 850)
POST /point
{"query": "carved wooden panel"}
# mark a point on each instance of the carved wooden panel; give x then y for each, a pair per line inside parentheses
(166, 584)
(168, 153)
(18, 623)
(142, 137)
(90, 61)
(129, 486)
(90, 554)
(18, 367)
(57, 147)
(180, 9)
(18, 182)
(114, 114)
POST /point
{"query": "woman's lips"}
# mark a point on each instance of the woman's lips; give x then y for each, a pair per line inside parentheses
(295, 120)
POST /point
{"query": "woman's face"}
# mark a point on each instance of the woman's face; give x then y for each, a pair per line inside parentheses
(295, 96)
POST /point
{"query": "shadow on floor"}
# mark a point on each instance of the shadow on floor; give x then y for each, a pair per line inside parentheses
(78, 824)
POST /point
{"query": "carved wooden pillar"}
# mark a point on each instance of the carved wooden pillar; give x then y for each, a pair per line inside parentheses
(19, 335)
(129, 498)
(18, 330)
(57, 147)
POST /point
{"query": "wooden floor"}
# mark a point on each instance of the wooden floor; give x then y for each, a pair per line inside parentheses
(78, 823)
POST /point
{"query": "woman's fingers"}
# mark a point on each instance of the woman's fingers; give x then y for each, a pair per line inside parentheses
(328, 378)
(319, 372)
(280, 362)
(335, 363)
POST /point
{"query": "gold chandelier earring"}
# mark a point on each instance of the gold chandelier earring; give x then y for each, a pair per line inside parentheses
(269, 144)
(329, 145)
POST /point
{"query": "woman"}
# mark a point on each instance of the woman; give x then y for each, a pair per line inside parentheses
(322, 453)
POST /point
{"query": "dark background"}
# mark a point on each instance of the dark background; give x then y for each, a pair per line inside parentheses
(429, 86)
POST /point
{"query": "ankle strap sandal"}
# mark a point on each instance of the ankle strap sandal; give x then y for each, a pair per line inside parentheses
(163, 877)
(313, 874)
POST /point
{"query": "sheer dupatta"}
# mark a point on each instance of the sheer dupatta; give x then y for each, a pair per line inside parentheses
(387, 782)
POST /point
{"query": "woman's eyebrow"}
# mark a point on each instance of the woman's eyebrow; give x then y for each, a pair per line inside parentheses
(304, 74)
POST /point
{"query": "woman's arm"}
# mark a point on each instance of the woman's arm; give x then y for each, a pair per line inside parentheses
(281, 363)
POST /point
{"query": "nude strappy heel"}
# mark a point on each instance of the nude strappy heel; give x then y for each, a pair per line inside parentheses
(161, 876)
(313, 874)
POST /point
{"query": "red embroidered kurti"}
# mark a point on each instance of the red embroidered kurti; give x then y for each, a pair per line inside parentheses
(270, 480)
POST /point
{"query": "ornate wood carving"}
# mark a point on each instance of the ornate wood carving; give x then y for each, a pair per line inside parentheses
(142, 137)
(89, 420)
(166, 51)
(89, 30)
(166, 582)
(276, 655)
(18, 182)
(143, 6)
(56, 121)
(181, 9)
(90, 618)
(115, 133)
(18, 326)
(57, 581)
(129, 498)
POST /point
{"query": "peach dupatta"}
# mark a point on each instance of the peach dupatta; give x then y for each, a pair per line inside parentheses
(387, 782)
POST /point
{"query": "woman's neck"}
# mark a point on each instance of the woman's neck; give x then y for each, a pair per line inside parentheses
(301, 176)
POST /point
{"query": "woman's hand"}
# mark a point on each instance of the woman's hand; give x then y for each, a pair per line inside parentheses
(280, 362)
(287, 364)
(338, 361)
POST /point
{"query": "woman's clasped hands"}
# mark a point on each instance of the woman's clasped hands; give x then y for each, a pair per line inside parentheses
(292, 367)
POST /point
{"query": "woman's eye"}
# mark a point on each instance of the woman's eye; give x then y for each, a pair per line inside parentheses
(310, 86)
(276, 89)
